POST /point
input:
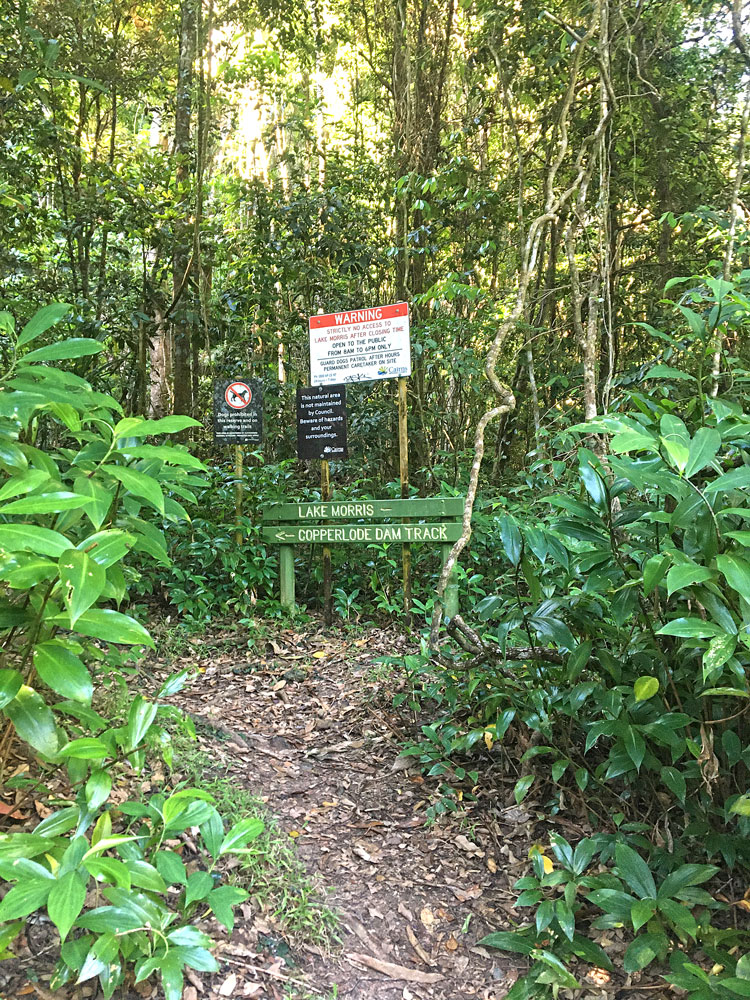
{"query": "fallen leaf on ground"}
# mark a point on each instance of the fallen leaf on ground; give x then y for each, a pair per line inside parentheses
(462, 895)
(451, 944)
(229, 985)
(427, 917)
(414, 942)
(394, 971)
(472, 849)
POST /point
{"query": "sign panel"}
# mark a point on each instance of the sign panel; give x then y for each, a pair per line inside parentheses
(321, 422)
(336, 534)
(238, 411)
(352, 509)
(361, 345)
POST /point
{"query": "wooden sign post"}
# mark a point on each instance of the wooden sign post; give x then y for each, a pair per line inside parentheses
(403, 465)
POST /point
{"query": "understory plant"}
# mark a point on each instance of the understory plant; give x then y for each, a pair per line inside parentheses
(81, 490)
(614, 648)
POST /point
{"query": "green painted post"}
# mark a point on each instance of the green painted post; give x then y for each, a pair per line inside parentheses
(450, 598)
(286, 576)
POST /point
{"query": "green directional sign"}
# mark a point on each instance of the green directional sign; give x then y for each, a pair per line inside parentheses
(362, 533)
(354, 509)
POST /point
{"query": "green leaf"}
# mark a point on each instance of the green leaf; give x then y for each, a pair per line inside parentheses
(145, 876)
(635, 872)
(241, 833)
(31, 538)
(62, 671)
(107, 547)
(743, 967)
(508, 941)
(171, 867)
(645, 687)
(146, 428)
(719, 651)
(736, 572)
(511, 539)
(735, 479)
(86, 748)
(642, 952)
(18, 485)
(172, 980)
(140, 717)
(76, 347)
(675, 782)
(703, 449)
(635, 745)
(45, 503)
(111, 626)
(653, 572)
(83, 581)
(199, 884)
(10, 685)
(690, 628)
(108, 870)
(641, 912)
(139, 484)
(522, 787)
(42, 320)
(33, 721)
(664, 371)
(24, 898)
(101, 499)
(685, 575)
(222, 900)
(98, 787)
(66, 899)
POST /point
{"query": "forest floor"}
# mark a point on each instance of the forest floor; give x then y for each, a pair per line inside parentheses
(377, 902)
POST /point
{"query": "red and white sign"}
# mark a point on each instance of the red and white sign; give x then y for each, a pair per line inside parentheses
(238, 395)
(360, 345)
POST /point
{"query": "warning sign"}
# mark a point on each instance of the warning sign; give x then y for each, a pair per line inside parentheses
(321, 422)
(238, 412)
(361, 345)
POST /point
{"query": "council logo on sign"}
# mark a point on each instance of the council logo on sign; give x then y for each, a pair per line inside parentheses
(238, 395)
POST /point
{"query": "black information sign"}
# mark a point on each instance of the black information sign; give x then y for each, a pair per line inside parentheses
(321, 422)
(238, 411)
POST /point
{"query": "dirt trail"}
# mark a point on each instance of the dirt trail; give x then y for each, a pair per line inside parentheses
(306, 725)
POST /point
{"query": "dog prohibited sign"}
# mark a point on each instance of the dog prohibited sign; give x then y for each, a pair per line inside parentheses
(238, 412)
(360, 345)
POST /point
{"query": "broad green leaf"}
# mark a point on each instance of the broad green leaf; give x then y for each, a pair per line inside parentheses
(30, 571)
(101, 499)
(511, 539)
(171, 867)
(98, 787)
(223, 900)
(521, 788)
(12, 456)
(685, 575)
(31, 538)
(18, 485)
(635, 745)
(65, 902)
(108, 870)
(42, 320)
(61, 670)
(635, 872)
(690, 628)
(45, 503)
(513, 941)
(645, 687)
(33, 721)
(641, 912)
(142, 713)
(83, 581)
(76, 347)
(703, 449)
(241, 833)
(111, 626)
(24, 898)
(653, 572)
(675, 782)
(107, 547)
(735, 479)
(165, 425)
(736, 572)
(138, 484)
(677, 452)
(10, 685)
(664, 371)
(86, 748)
(171, 454)
(199, 884)
(719, 651)
(145, 876)
(643, 951)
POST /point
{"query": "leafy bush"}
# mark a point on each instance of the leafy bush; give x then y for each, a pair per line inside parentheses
(80, 490)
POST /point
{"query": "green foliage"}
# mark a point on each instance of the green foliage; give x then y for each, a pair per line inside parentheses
(79, 493)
